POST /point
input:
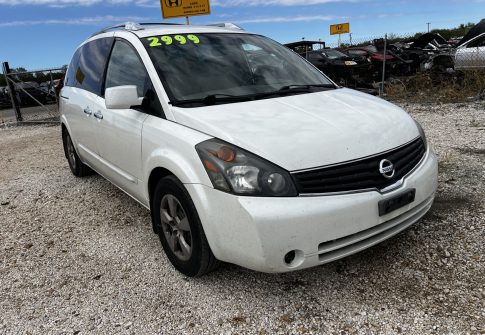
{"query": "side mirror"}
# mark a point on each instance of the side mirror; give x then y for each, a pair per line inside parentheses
(122, 97)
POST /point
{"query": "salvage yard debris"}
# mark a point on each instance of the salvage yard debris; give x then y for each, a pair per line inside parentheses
(360, 65)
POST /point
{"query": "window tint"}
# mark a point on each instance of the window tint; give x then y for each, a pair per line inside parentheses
(92, 62)
(126, 68)
(71, 70)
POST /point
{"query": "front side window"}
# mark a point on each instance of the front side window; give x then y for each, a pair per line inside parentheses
(126, 68)
(194, 66)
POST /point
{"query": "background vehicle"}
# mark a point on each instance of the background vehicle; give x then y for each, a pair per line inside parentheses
(471, 54)
(27, 90)
(303, 47)
(49, 89)
(4, 98)
(341, 68)
(376, 58)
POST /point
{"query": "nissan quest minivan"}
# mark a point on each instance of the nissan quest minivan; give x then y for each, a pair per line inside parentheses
(242, 150)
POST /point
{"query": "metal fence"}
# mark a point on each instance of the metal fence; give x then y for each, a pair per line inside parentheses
(30, 96)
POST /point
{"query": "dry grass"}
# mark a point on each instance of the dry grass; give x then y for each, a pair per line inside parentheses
(438, 87)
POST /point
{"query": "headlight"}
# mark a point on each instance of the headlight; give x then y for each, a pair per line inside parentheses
(237, 171)
(421, 132)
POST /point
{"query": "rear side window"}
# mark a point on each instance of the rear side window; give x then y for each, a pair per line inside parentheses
(89, 72)
(71, 70)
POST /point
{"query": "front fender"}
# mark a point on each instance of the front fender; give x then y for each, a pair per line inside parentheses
(171, 146)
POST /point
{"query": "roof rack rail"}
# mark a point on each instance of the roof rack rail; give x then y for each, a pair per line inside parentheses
(132, 26)
(226, 25)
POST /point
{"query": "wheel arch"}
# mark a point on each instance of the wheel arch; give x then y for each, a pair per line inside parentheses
(155, 176)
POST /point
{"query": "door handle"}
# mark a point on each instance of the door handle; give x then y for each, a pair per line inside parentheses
(87, 111)
(98, 115)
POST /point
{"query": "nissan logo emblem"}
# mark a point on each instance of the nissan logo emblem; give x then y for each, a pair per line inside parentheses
(386, 168)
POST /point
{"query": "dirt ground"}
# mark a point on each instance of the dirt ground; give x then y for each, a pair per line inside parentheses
(78, 256)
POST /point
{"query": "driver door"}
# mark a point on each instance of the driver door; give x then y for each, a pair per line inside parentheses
(119, 131)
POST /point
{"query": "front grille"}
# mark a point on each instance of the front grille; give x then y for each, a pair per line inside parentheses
(361, 174)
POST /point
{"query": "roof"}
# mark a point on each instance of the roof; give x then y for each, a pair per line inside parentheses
(151, 29)
(184, 29)
(303, 43)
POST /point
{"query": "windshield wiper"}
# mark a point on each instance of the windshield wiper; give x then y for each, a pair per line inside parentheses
(292, 89)
(305, 87)
(211, 99)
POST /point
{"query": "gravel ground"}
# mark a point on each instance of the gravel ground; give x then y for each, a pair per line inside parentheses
(79, 256)
(33, 113)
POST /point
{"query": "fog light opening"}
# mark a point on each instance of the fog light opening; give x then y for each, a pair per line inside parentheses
(290, 257)
(294, 258)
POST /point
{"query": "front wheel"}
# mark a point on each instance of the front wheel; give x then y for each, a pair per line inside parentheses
(178, 226)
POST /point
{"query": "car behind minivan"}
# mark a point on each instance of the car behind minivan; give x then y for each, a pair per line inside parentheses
(242, 150)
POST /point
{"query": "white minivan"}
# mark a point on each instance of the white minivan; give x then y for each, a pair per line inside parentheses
(242, 150)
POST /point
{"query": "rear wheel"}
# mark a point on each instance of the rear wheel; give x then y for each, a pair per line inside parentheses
(78, 168)
(178, 226)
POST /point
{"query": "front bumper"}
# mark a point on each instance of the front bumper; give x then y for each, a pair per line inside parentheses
(257, 233)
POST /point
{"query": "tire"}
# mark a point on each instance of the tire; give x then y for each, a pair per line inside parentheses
(78, 168)
(181, 233)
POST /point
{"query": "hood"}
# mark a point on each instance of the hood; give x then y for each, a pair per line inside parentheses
(307, 130)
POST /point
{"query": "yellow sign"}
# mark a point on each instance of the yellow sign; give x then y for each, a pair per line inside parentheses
(180, 8)
(341, 28)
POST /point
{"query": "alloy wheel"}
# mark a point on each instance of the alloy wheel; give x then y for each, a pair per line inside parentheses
(176, 227)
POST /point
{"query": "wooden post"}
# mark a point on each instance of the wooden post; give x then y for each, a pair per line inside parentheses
(12, 91)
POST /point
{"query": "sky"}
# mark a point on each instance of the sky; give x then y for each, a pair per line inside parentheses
(40, 34)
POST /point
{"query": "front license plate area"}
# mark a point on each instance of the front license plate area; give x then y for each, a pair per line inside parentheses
(389, 205)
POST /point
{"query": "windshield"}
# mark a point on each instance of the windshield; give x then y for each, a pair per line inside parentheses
(196, 66)
(333, 54)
